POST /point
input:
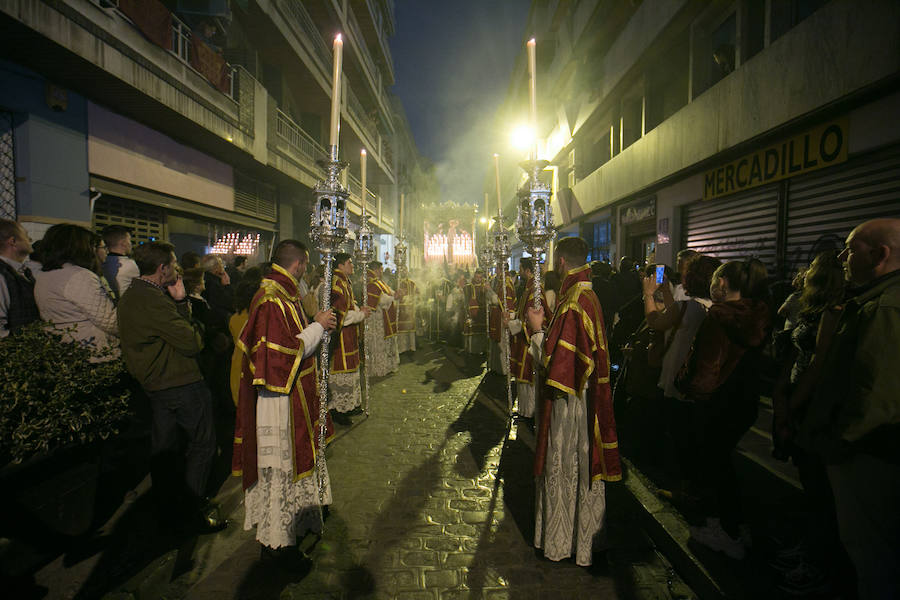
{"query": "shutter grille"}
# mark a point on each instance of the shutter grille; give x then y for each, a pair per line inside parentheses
(147, 223)
(734, 228)
(253, 197)
(7, 167)
(824, 207)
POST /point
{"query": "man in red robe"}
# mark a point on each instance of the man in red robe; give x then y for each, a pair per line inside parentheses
(406, 313)
(522, 364)
(577, 448)
(475, 329)
(498, 360)
(381, 336)
(277, 422)
(344, 381)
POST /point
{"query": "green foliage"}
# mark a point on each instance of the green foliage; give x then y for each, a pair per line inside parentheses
(51, 394)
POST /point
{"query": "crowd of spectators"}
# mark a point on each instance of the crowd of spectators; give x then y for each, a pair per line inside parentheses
(700, 333)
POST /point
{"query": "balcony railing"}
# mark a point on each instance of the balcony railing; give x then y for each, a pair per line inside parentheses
(370, 66)
(181, 48)
(297, 139)
(358, 112)
(304, 21)
(181, 40)
(355, 186)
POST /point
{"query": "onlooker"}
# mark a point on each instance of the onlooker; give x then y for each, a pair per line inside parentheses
(681, 320)
(243, 296)
(69, 291)
(190, 260)
(722, 379)
(118, 268)
(601, 282)
(552, 282)
(682, 260)
(819, 308)
(17, 305)
(790, 310)
(218, 290)
(160, 346)
(853, 421)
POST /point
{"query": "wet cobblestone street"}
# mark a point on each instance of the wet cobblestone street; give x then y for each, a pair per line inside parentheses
(427, 504)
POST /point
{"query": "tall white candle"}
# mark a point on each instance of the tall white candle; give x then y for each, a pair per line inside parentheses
(336, 91)
(402, 201)
(497, 177)
(362, 173)
(487, 213)
(532, 91)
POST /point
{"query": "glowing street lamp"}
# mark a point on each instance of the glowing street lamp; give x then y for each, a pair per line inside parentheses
(522, 137)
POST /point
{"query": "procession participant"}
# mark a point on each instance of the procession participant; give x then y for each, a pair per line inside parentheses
(577, 449)
(498, 360)
(381, 336)
(522, 365)
(475, 330)
(277, 424)
(440, 316)
(344, 381)
(407, 291)
(456, 310)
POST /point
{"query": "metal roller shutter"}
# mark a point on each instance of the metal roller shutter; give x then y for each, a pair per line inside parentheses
(825, 206)
(734, 228)
(147, 223)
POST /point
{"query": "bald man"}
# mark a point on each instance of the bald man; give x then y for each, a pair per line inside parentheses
(853, 422)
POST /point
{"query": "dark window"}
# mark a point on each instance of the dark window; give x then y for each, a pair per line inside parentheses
(754, 29)
(788, 13)
(667, 84)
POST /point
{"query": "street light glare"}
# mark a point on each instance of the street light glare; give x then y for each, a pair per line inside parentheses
(522, 137)
(483, 220)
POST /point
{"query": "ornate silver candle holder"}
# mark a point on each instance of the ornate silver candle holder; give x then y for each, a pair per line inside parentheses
(534, 221)
(365, 253)
(328, 231)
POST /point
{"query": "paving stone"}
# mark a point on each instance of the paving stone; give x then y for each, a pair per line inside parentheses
(418, 512)
(441, 579)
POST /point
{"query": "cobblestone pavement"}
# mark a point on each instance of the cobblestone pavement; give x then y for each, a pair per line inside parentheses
(433, 499)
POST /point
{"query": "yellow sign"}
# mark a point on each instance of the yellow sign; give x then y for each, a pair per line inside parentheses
(821, 147)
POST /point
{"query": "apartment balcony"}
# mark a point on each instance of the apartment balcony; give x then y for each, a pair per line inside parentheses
(331, 16)
(376, 31)
(302, 37)
(295, 152)
(102, 54)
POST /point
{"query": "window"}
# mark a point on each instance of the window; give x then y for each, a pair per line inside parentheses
(600, 241)
(714, 50)
(667, 84)
(572, 178)
(753, 28)
(181, 40)
(786, 14)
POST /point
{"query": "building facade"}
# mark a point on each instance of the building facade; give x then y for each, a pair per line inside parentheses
(192, 121)
(737, 128)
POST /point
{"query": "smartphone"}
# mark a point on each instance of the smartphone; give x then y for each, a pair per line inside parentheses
(660, 273)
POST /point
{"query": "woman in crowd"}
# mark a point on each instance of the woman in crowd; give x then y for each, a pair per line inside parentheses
(820, 305)
(551, 288)
(243, 296)
(680, 320)
(68, 290)
(722, 379)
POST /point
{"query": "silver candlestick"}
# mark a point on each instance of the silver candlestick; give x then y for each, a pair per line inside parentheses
(534, 222)
(365, 253)
(328, 230)
(501, 255)
(486, 257)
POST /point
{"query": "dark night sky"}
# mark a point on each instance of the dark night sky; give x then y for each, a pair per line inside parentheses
(453, 60)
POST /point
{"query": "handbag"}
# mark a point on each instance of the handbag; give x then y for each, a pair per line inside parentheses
(645, 351)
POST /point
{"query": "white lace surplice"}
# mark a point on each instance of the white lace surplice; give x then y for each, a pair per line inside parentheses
(382, 354)
(344, 391)
(406, 341)
(525, 395)
(569, 509)
(281, 509)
